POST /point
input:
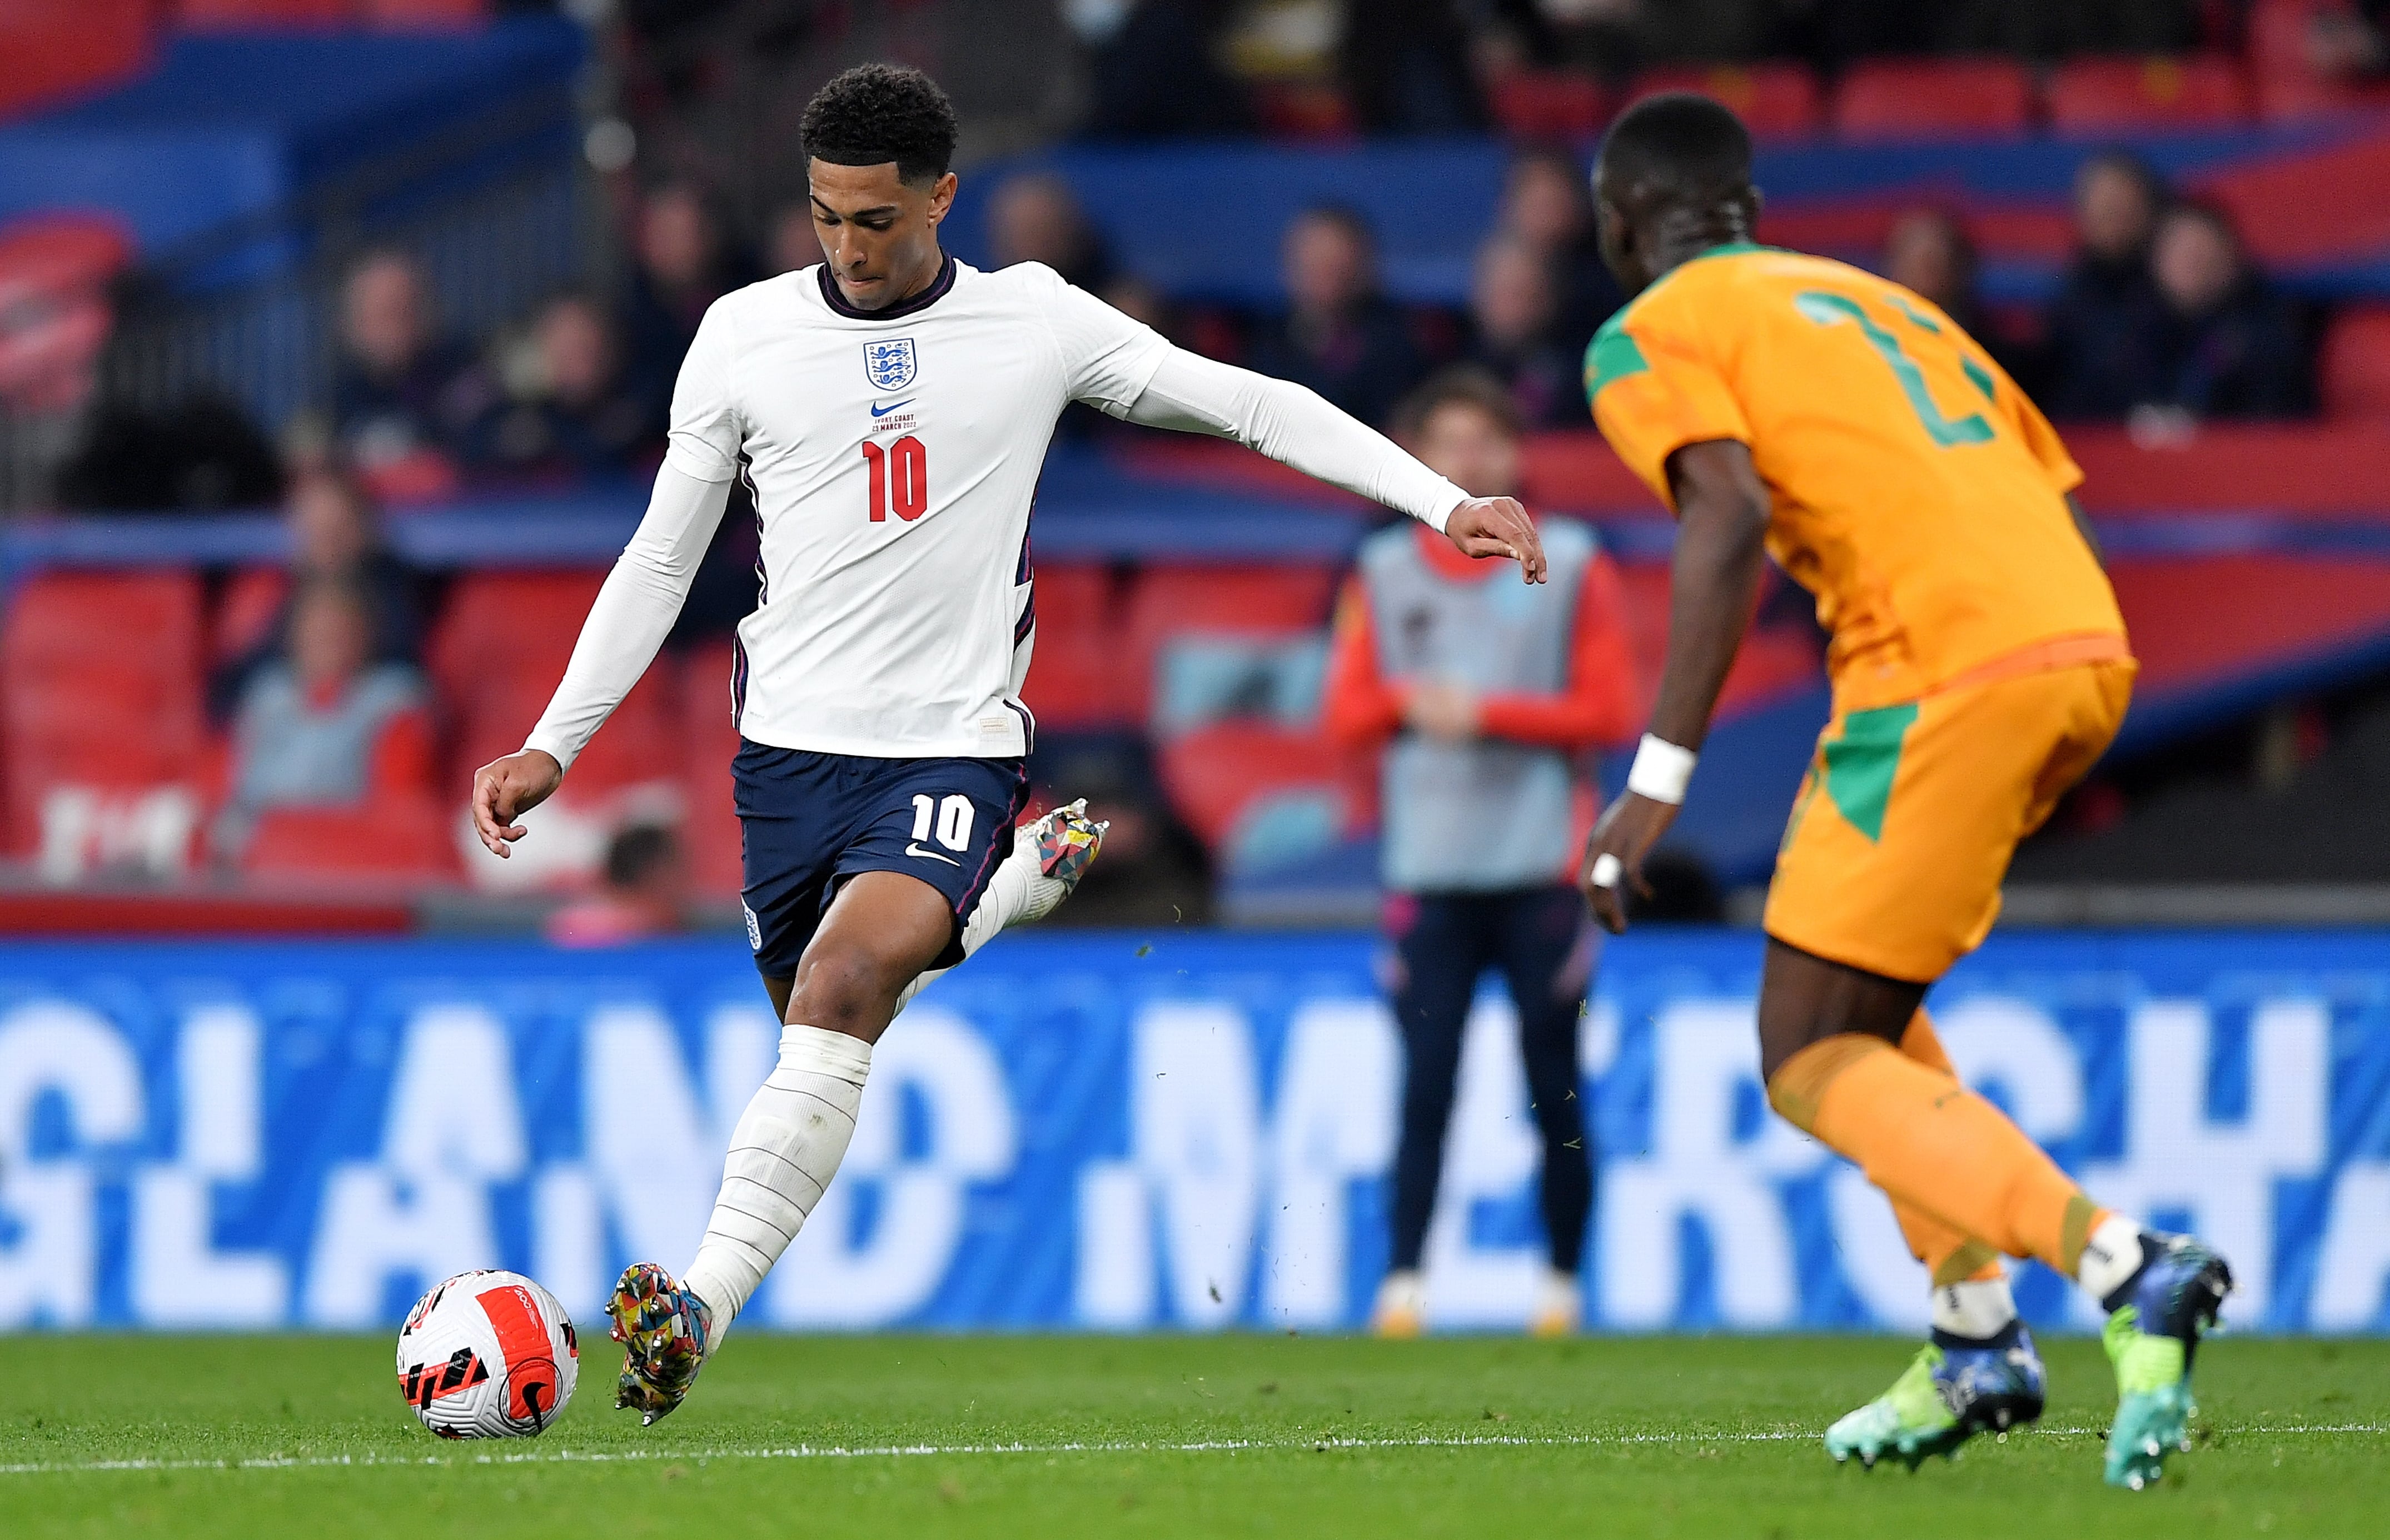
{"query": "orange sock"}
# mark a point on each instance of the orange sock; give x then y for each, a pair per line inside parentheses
(1949, 1255)
(1935, 1145)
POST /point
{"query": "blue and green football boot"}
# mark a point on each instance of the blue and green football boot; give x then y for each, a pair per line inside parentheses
(2154, 1325)
(1953, 1389)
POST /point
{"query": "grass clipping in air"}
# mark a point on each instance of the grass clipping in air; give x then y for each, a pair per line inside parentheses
(1241, 1434)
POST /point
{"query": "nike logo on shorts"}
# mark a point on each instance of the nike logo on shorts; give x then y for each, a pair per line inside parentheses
(879, 411)
(932, 855)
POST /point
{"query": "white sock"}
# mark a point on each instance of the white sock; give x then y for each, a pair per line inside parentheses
(2110, 1257)
(1977, 1309)
(783, 1153)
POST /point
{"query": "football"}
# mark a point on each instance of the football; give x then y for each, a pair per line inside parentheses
(487, 1354)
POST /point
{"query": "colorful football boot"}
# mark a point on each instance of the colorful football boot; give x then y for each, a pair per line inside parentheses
(665, 1330)
(1066, 841)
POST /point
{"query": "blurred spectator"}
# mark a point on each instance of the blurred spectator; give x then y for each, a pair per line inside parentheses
(324, 724)
(1156, 69)
(1037, 218)
(1547, 205)
(1515, 335)
(680, 264)
(645, 892)
(2227, 343)
(336, 538)
(2351, 44)
(1480, 708)
(1405, 69)
(1338, 335)
(579, 415)
(403, 398)
(1930, 254)
(2097, 330)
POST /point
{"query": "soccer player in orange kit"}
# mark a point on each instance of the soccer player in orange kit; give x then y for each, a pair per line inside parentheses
(1790, 405)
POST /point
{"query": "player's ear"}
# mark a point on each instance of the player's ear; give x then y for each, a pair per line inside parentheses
(942, 197)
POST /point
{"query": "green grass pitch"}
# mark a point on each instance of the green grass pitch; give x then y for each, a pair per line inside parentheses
(1235, 1435)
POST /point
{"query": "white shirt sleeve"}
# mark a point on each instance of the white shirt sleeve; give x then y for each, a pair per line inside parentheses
(1107, 357)
(706, 432)
(1292, 425)
(634, 609)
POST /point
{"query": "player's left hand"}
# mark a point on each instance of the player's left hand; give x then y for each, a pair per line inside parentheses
(1499, 526)
(1629, 827)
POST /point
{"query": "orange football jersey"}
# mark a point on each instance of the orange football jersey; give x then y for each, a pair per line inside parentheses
(1917, 494)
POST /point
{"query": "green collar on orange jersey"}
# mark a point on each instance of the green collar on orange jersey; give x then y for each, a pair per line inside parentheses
(1614, 354)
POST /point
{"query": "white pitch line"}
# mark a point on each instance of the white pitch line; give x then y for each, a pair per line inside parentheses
(909, 1451)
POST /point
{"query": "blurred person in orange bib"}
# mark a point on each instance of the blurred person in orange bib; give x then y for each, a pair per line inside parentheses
(1481, 698)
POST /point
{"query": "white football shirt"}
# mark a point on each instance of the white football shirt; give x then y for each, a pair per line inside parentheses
(892, 457)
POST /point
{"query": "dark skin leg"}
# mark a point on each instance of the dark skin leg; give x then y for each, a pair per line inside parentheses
(883, 930)
(1804, 998)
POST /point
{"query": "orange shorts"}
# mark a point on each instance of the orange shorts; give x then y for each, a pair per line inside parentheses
(1902, 831)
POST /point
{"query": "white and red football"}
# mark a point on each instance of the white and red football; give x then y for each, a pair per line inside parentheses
(487, 1354)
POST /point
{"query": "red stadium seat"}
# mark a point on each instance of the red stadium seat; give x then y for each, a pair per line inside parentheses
(55, 314)
(2288, 86)
(1549, 104)
(2112, 96)
(242, 15)
(1303, 111)
(2357, 364)
(399, 838)
(422, 13)
(1245, 600)
(1774, 101)
(246, 611)
(56, 51)
(1080, 677)
(1933, 99)
(1215, 775)
(710, 826)
(508, 623)
(104, 741)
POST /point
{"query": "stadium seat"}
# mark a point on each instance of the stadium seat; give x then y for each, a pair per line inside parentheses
(399, 838)
(422, 13)
(1549, 104)
(1778, 100)
(55, 315)
(1243, 600)
(507, 622)
(1920, 98)
(1079, 677)
(2112, 96)
(246, 15)
(246, 611)
(1303, 111)
(710, 826)
(2288, 86)
(103, 742)
(56, 51)
(1215, 775)
(2356, 372)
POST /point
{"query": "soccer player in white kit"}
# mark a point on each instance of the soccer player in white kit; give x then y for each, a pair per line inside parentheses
(891, 410)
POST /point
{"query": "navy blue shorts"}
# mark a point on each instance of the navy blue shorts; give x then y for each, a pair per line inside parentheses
(811, 821)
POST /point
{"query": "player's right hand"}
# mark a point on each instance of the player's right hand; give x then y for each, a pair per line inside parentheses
(1628, 829)
(1498, 526)
(506, 789)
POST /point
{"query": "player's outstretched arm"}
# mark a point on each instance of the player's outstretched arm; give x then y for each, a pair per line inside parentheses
(635, 612)
(1722, 512)
(1294, 426)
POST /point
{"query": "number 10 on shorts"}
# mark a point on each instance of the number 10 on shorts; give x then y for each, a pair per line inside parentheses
(952, 817)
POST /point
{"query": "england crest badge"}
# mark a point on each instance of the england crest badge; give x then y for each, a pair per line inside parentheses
(891, 365)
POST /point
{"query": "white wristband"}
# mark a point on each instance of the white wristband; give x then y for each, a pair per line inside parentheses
(1661, 771)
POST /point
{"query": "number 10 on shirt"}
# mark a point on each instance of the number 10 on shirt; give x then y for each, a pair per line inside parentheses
(900, 479)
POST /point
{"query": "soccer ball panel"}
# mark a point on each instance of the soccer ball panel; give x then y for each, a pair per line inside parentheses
(487, 1354)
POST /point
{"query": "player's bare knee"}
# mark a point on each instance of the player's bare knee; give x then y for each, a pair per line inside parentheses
(847, 990)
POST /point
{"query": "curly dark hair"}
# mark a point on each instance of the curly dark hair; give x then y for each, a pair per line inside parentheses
(875, 113)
